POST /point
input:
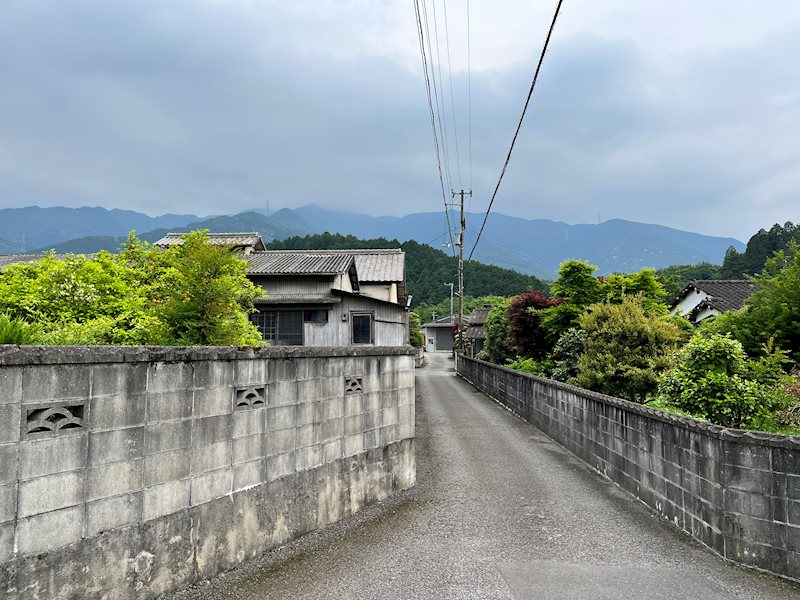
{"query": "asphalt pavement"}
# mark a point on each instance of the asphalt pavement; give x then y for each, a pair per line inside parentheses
(499, 511)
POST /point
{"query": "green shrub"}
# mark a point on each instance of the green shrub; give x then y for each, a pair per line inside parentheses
(567, 353)
(17, 331)
(540, 368)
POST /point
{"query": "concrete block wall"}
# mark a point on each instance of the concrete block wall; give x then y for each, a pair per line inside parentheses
(738, 492)
(189, 460)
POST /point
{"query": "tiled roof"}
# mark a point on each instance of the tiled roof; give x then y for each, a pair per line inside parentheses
(724, 294)
(445, 321)
(298, 299)
(373, 265)
(218, 239)
(291, 262)
(479, 315)
(476, 332)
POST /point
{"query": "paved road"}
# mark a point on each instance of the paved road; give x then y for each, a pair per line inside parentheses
(500, 511)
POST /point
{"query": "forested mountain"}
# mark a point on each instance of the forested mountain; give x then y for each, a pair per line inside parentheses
(32, 227)
(427, 269)
(760, 247)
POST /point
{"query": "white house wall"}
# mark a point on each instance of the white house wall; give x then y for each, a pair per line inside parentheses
(686, 305)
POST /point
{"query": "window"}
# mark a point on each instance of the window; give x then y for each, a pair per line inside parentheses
(280, 327)
(362, 328)
(315, 316)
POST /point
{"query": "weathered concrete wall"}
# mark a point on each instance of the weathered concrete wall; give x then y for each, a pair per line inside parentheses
(125, 473)
(737, 492)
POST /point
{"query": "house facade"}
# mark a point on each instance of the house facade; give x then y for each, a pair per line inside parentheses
(702, 299)
(476, 331)
(439, 334)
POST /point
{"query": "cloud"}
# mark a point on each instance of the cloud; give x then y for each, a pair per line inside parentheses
(207, 106)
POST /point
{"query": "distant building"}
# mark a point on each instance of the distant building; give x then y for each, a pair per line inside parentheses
(439, 334)
(702, 299)
(476, 331)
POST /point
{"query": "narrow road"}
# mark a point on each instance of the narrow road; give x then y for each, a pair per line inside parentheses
(500, 511)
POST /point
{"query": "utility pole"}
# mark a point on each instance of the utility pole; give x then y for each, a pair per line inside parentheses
(451, 301)
(462, 228)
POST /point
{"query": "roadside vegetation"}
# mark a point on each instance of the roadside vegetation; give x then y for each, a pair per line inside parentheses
(191, 294)
(614, 335)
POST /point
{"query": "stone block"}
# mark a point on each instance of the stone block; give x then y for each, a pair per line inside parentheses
(250, 372)
(8, 502)
(280, 465)
(389, 434)
(210, 457)
(211, 485)
(405, 396)
(208, 430)
(405, 413)
(213, 401)
(166, 466)
(308, 413)
(168, 405)
(49, 531)
(406, 379)
(282, 417)
(332, 408)
(10, 415)
(306, 435)
(125, 379)
(372, 402)
(353, 444)
(320, 388)
(113, 479)
(248, 474)
(372, 439)
(308, 458)
(391, 416)
(354, 425)
(406, 430)
(390, 399)
(330, 430)
(283, 370)
(748, 480)
(332, 451)
(10, 385)
(248, 448)
(111, 513)
(113, 412)
(6, 542)
(214, 374)
(116, 445)
(52, 455)
(249, 422)
(170, 435)
(281, 393)
(165, 377)
(353, 405)
(280, 441)
(373, 419)
(50, 492)
(165, 499)
(55, 382)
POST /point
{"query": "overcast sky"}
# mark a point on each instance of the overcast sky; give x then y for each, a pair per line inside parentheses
(683, 113)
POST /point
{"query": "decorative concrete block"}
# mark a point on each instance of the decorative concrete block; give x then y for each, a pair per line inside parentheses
(210, 457)
(8, 502)
(249, 422)
(116, 445)
(211, 485)
(52, 455)
(49, 531)
(280, 441)
(114, 479)
(280, 465)
(248, 474)
(169, 435)
(213, 401)
(248, 448)
(166, 466)
(282, 417)
(208, 430)
(10, 415)
(6, 541)
(111, 513)
(55, 382)
(10, 385)
(50, 492)
(165, 499)
(113, 412)
(168, 405)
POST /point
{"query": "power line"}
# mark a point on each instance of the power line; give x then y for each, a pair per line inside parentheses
(433, 121)
(469, 100)
(519, 125)
(452, 100)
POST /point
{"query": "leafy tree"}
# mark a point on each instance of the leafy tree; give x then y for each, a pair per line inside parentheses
(540, 368)
(498, 347)
(526, 334)
(577, 288)
(643, 284)
(626, 350)
(567, 353)
(713, 379)
(416, 337)
(675, 278)
(760, 248)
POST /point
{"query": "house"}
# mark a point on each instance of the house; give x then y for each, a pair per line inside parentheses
(439, 333)
(702, 299)
(320, 298)
(476, 331)
(245, 243)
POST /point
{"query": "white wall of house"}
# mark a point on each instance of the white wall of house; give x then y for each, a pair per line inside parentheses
(706, 313)
(382, 291)
(687, 304)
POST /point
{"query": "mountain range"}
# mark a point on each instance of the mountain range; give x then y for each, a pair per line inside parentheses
(531, 246)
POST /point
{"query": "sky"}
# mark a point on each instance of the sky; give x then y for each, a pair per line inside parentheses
(682, 113)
